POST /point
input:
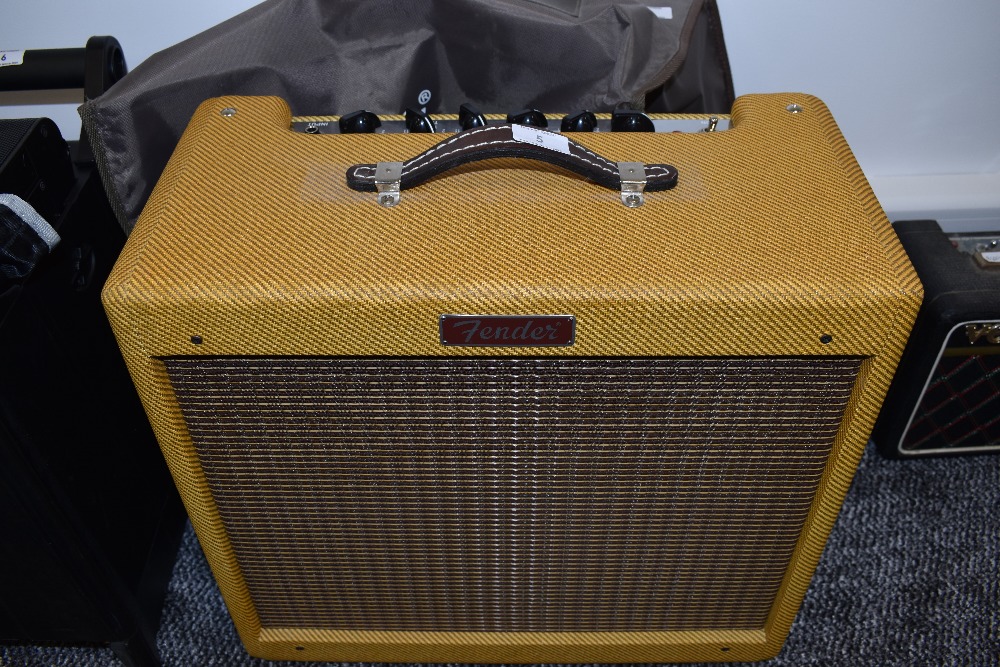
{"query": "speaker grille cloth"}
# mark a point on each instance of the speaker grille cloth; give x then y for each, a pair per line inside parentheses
(960, 407)
(513, 494)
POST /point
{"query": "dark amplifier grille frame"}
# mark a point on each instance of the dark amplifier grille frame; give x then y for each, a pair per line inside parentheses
(958, 408)
(513, 494)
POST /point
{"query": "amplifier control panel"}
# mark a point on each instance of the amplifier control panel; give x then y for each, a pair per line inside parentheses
(468, 117)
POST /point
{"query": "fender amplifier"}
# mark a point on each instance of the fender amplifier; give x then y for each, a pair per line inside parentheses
(945, 397)
(511, 395)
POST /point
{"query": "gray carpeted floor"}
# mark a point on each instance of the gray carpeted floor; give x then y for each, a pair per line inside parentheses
(910, 576)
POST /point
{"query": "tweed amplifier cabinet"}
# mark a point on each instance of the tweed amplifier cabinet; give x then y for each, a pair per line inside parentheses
(435, 396)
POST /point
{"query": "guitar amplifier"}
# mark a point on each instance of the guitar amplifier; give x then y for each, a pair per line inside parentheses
(501, 394)
(945, 397)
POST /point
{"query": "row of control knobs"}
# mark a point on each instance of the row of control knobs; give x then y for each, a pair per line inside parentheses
(362, 122)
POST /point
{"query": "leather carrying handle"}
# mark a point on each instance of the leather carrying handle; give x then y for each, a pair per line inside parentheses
(516, 141)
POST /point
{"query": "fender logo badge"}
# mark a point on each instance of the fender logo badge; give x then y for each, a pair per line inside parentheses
(508, 330)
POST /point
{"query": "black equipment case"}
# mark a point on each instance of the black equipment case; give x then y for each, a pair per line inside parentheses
(945, 398)
(90, 519)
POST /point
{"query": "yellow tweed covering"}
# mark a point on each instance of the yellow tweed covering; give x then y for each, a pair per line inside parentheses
(772, 239)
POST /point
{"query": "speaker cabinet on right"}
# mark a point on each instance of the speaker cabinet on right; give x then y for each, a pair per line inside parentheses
(945, 398)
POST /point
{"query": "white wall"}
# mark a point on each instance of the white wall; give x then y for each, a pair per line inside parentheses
(914, 84)
(143, 27)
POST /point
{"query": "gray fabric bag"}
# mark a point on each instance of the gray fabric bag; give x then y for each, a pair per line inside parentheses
(332, 58)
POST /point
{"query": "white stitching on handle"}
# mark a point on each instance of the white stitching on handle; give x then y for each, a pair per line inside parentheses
(406, 169)
(657, 171)
(422, 158)
(408, 166)
(468, 133)
(429, 151)
(660, 168)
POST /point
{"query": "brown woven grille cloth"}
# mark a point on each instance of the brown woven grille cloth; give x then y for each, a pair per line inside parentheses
(513, 494)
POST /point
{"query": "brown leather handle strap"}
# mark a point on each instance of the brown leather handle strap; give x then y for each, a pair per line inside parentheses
(516, 141)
